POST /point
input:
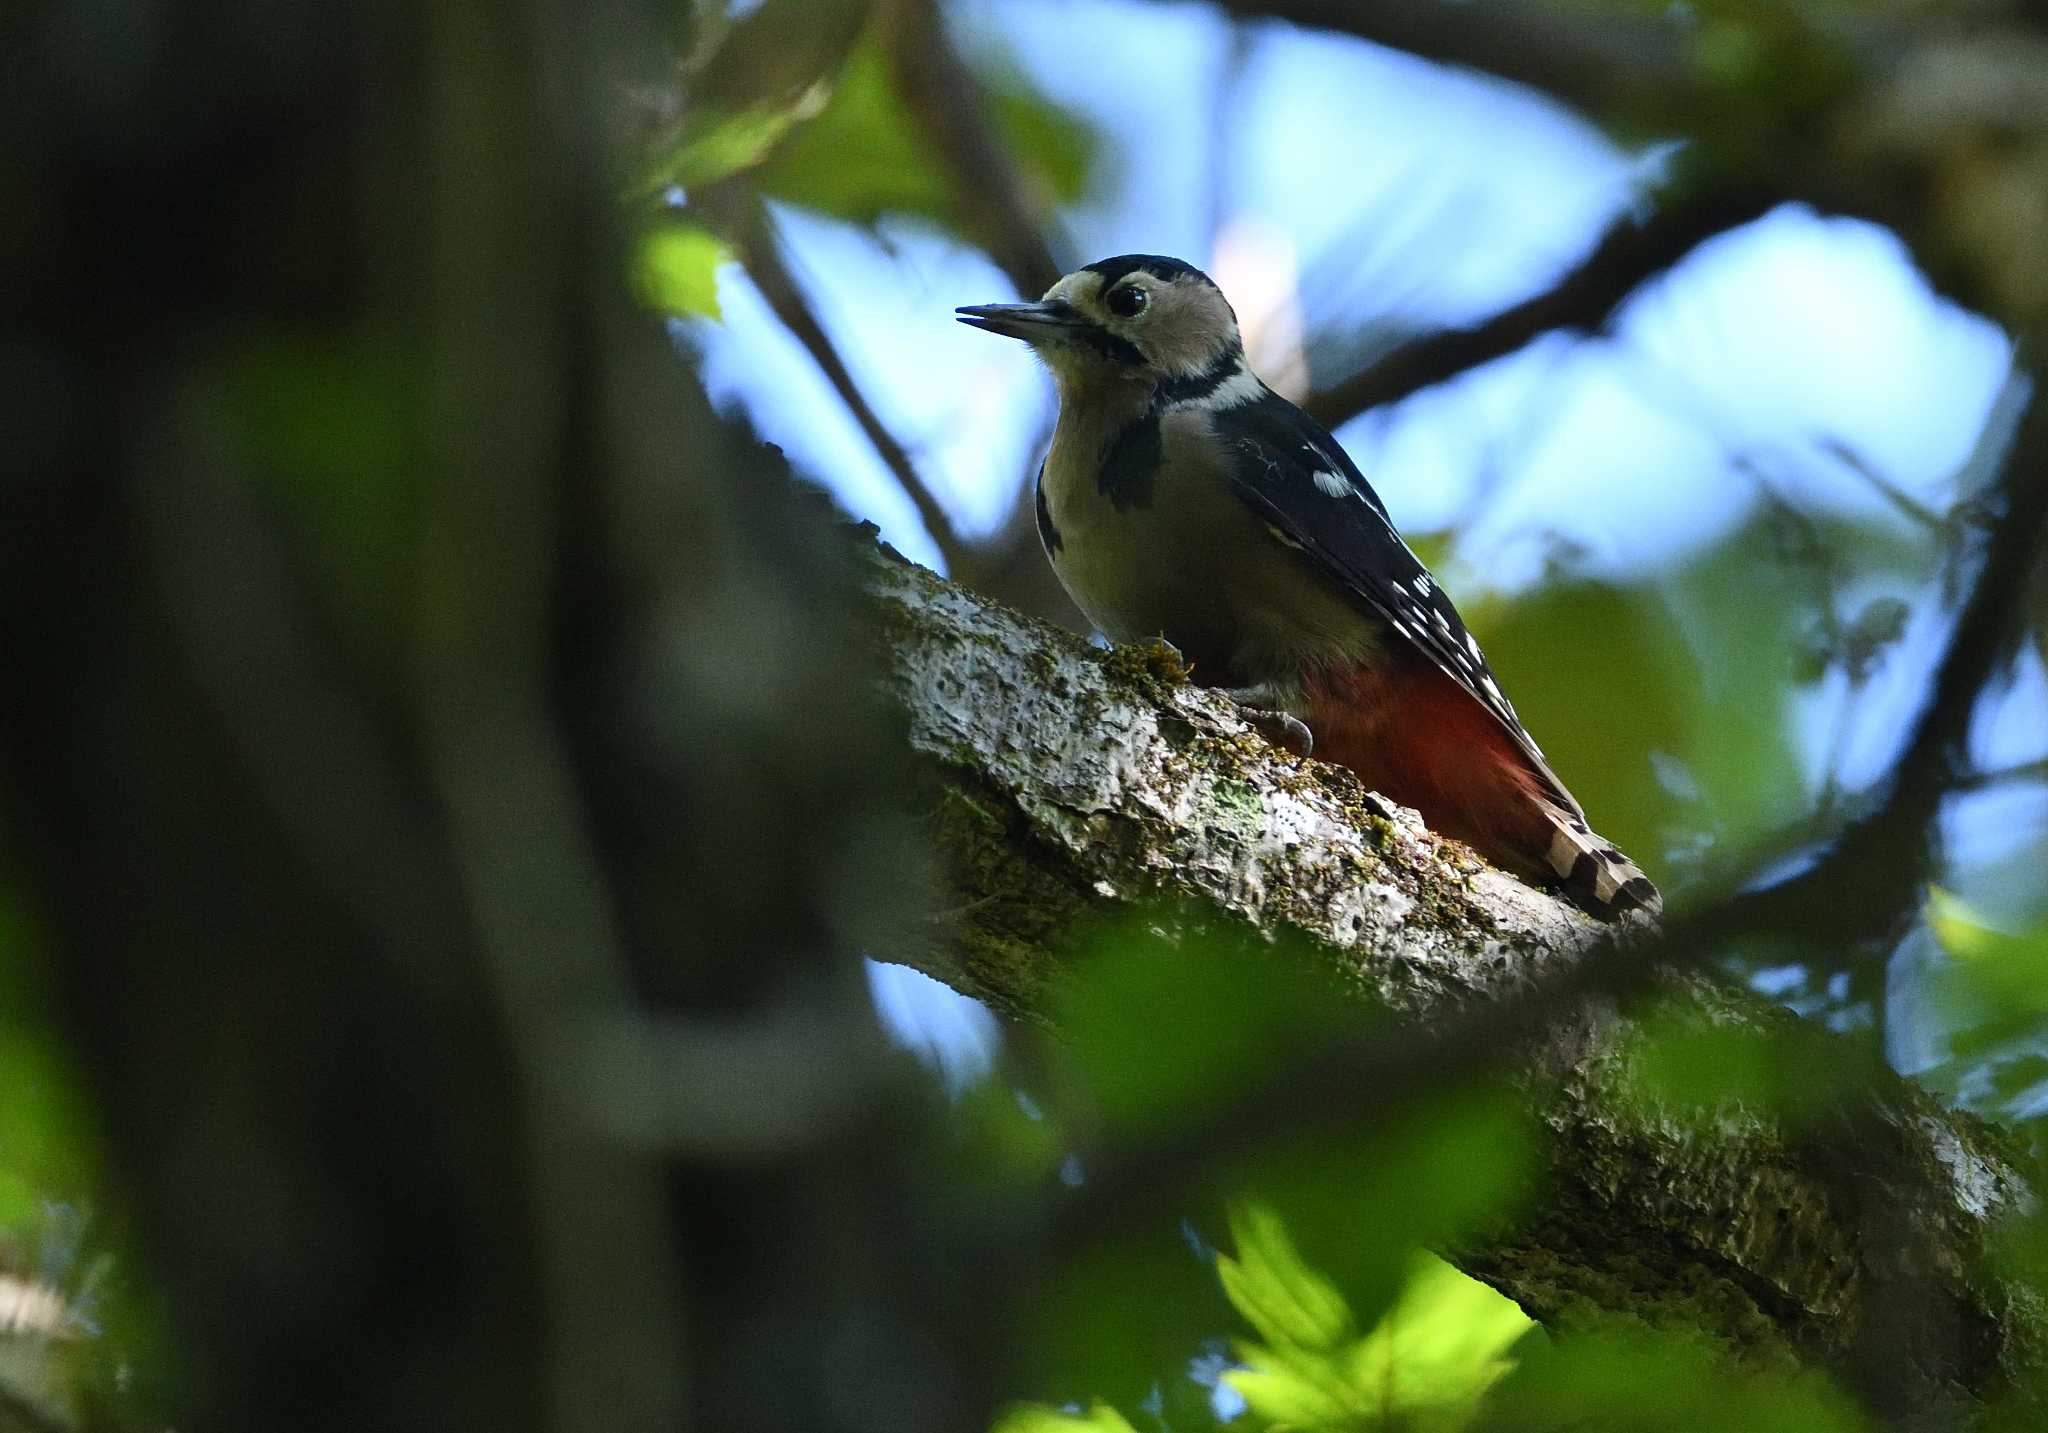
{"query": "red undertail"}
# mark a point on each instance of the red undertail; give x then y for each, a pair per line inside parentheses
(1412, 733)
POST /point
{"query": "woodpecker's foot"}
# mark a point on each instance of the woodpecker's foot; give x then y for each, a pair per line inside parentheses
(1281, 728)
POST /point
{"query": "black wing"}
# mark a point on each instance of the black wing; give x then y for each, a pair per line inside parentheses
(1299, 478)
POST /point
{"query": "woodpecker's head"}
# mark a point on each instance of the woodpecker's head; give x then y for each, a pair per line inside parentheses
(1136, 319)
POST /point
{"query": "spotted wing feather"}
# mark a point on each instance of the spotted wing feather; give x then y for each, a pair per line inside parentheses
(1302, 482)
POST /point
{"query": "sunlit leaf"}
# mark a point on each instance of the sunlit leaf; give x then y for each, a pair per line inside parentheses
(677, 272)
(860, 157)
(745, 86)
(1036, 1418)
(1425, 1365)
(1278, 1294)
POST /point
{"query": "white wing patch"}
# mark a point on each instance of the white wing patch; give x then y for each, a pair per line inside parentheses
(1333, 485)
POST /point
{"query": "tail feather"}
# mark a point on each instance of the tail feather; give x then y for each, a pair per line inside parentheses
(1600, 880)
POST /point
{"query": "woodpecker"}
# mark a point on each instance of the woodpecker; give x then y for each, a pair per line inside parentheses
(1183, 499)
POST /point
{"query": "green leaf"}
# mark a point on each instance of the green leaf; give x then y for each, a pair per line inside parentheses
(861, 156)
(720, 148)
(1995, 988)
(1696, 1066)
(1358, 1204)
(1037, 1418)
(865, 155)
(1278, 1294)
(1642, 1382)
(1424, 1366)
(1428, 1363)
(1214, 1016)
(1118, 1319)
(677, 271)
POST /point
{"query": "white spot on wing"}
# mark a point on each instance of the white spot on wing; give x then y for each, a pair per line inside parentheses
(1421, 584)
(1332, 484)
(1283, 537)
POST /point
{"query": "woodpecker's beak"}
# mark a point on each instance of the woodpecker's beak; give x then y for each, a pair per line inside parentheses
(1034, 323)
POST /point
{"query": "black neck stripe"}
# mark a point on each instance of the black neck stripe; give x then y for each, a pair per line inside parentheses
(1116, 350)
(1225, 366)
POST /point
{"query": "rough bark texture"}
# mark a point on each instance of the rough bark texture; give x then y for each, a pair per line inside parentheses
(1062, 780)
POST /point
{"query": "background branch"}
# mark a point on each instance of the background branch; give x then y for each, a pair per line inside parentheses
(954, 112)
(1630, 254)
(767, 262)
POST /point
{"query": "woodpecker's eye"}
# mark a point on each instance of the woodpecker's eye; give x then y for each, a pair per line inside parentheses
(1126, 302)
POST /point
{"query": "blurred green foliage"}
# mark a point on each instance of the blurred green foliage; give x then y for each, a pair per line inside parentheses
(335, 428)
(1677, 728)
(1636, 1381)
(1307, 1252)
(1216, 1015)
(865, 154)
(850, 145)
(1994, 995)
(678, 271)
(47, 1148)
(79, 1344)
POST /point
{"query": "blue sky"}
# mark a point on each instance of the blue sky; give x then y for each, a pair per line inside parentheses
(1395, 191)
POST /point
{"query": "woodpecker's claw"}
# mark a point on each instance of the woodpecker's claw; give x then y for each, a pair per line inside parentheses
(1281, 728)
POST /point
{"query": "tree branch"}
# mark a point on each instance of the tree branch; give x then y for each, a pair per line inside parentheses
(1631, 254)
(1063, 782)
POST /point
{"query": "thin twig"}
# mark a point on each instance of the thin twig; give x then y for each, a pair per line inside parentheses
(2005, 775)
(769, 269)
(950, 106)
